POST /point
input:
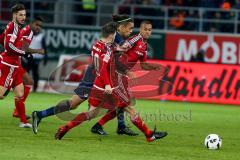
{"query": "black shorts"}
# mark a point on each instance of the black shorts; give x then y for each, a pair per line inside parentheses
(86, 84)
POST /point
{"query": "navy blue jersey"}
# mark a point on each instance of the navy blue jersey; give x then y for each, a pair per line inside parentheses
(119, 39)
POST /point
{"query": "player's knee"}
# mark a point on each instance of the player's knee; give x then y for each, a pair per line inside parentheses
(28, 82)
(75, 102)
(1, 97)
(18, 98)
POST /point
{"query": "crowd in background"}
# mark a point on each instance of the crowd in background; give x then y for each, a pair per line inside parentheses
(187, 18)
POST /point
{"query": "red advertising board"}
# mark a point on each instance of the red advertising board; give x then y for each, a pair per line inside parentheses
(198, 82)
(219, 48)
(177, 81)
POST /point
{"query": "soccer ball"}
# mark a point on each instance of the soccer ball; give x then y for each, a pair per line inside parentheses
(213, 141)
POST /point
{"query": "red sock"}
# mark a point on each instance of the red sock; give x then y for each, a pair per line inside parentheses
(19, 103)
(107, 117)
(15, 112)
(77, 120)
(138, 122)
(27, 89)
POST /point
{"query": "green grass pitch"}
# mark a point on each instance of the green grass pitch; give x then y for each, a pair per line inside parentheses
(187, 124)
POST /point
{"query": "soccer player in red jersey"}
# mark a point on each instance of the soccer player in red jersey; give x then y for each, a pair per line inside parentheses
(102, 52)
(11, 75)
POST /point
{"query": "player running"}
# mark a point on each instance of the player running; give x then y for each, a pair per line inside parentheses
(125, 27)
(10, 66)
(105, 93)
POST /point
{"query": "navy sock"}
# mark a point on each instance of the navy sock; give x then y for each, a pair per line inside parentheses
(120, 117)
(46, 113)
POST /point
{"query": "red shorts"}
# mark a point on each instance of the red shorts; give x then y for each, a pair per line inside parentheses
(120, 96)
(10, 75)
(22, 70)
(124, 96)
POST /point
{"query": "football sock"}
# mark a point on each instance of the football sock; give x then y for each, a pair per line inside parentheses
(19, 103)
(120, 117)
(26, 93)
(27, 89)
(138, 122)
(77, 120)
(59, 108)
(107, 117)
(46, 112)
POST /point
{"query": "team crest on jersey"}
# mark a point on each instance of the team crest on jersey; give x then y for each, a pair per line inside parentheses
(139, 53)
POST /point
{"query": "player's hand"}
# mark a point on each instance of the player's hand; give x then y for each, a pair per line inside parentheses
(108, 89)
(132, 76)
(120, 48)
(41, 51)
(126, 45)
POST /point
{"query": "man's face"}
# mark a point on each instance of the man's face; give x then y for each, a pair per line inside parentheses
(36, 26)
(146, 30)
(126, 30)
(20, 17)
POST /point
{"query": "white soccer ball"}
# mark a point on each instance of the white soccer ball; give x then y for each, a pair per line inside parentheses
(213, 141)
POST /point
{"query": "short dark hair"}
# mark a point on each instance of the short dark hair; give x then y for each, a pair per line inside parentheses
(17, 7)
(109, 28)
(121, 19)
(145, 22)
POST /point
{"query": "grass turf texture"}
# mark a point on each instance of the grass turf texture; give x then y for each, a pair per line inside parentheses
(187, 124)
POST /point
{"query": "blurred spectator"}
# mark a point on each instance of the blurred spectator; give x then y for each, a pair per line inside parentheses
(226, 5)
(177, 22)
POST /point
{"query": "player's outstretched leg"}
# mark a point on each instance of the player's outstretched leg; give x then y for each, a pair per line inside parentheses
(61, 107)
(80, 118)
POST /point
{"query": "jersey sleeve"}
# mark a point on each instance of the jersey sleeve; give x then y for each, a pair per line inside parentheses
(134, 39)
(105, 70)
(11, 33)
(27, 35)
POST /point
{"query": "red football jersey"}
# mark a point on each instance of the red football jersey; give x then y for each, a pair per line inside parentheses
(101, 55)
(11, 45)
(137, 53)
